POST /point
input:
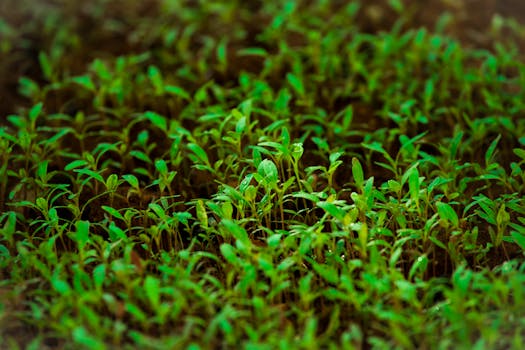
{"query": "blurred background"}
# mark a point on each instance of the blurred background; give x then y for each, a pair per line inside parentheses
(101, 28)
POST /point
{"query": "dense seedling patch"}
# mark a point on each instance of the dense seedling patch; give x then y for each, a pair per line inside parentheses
(202, 174)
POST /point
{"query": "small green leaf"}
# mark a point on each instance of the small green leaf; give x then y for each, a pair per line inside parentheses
(446, 213)
(91, 174)
(296, 83)
(222, 52)
(155, 77)
(519, 239)
(82, 233)
(357, 172)
(161, 166)
(199, 152)
(502, 218)
(202, 216)
(236, 231)
(112, 182)
(132, 180)
(28, 87)
(394, 186)
(84, 81)
(35, 111)
(462, 278)
(332, 209)
(113, 212)
(136, 312)
(156, 119)
(228, 251)
(75, 164)
(491, 150)
(140, 156)
(61, 286)
(41, 171)
(116, 233)
(327, 272)
(240, 126)
(520, 152)
(297, 151)
(412, 175)
(268, 170)
(45, 65)
(157, 209)
(418, 267)
(252, 51)
(152, 290)
(85, 340)
(177, 91)
(99, 276)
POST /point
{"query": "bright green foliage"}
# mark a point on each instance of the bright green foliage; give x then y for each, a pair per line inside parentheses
(214, 174)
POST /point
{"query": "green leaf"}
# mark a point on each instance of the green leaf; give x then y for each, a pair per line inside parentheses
(155, 76)
(446, 213)
(75, 164)
(156, 119)
(228, 251)
(82, 233)
(53, 139)
(45, 65)
(157, 209)
(268, 170)
(502, 218)
(113, 212)
(202, 216)
(413, 183)
(236, 231)
(61, 286)
(327, 272)
(91, 174)
(132, 180)
(252, 51)
(140, 156)
(84, 81)
(161, 166)
(357, 172)
(462, 278)
(28, 87)
(86, 341)
(177, 91)
(296, 83)
(116, 233)
(136, 312)
(490, 151)
(418, 267)
(35, 111)
(41, 171)
(332, 209)
(152, 290)
(297, 151)
(240, 126)
(519, 239)
(222, 52)
(99, 276)
(520, 152)
(199, 152)
(112, 182)
(310, 196)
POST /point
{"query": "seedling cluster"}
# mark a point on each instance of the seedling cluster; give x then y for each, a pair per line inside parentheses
(209, 174)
